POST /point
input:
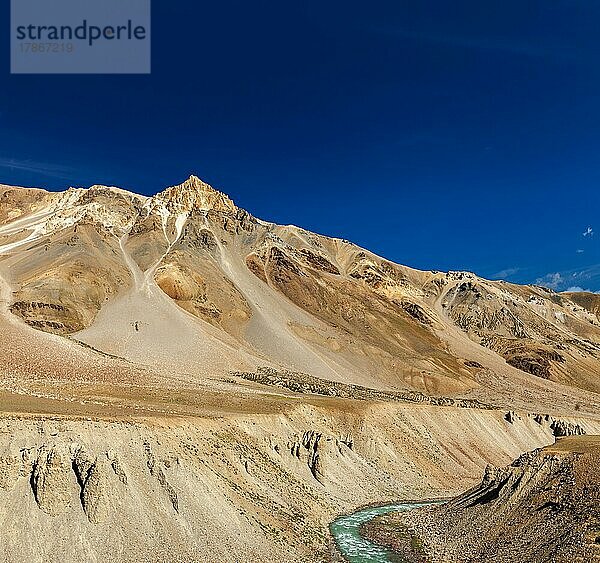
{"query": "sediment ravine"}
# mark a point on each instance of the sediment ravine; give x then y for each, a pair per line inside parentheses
(240, 488)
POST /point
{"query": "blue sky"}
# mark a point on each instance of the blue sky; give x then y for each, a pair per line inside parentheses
(442, 135)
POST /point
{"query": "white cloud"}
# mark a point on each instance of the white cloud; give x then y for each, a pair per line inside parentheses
(44, 168)
(504, 274)
(575, 288)
(580, 251)
(589, 232)
(553, 281)
(587, 278)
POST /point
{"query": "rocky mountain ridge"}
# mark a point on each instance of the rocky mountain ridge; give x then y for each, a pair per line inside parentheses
(180, 379)
(281, 295)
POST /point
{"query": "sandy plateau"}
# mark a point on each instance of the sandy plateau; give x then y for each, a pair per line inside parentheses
(180, 381)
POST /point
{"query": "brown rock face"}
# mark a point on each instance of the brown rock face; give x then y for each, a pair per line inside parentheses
(193, 194)
(545, 506)
(95, 495)
(60, 474)
(52, 480)
(180, 283)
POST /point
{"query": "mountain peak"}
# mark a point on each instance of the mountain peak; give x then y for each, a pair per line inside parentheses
(193, 193)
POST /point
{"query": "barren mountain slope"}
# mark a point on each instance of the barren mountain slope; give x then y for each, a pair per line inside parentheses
(545, 506)
(178, 377)
(589, 301)
(115, 270)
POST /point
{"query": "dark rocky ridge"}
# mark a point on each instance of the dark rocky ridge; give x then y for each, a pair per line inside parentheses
(545, 506)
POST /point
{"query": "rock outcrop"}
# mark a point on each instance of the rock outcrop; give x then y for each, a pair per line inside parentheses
(157, 470)
(52, 480)
(96, 478)
(61, 474)
(559, 428)
(545, 506)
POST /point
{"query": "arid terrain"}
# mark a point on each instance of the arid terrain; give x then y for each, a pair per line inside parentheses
(181, 381)
(542, 507)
